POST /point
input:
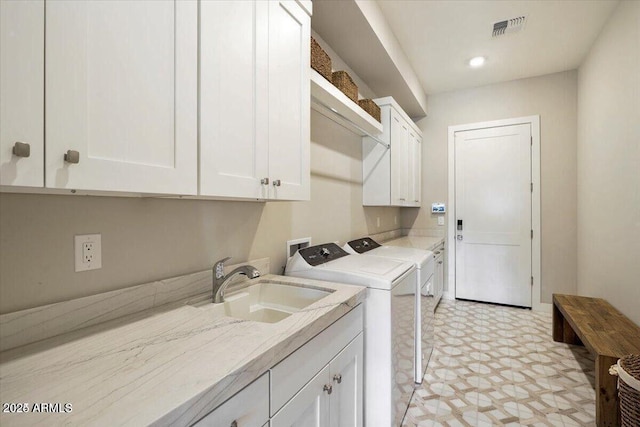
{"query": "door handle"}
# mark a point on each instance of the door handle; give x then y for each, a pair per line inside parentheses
(459, 237)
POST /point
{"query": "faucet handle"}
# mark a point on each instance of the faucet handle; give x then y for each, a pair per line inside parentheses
(219, 267)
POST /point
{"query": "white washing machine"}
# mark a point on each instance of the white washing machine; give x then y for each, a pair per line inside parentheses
(424, 301)
(389, 342)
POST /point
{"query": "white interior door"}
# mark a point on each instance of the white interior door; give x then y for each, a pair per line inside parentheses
(493, 214)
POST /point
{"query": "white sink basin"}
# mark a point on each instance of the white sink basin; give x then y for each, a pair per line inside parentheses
(265, 301)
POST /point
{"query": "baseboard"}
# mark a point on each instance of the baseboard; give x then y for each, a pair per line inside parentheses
(446, 295)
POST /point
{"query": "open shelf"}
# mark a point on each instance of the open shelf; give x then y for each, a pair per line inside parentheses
(329, 101)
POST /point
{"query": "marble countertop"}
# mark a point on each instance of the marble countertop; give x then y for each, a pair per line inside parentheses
(169, 365)
(418, 242)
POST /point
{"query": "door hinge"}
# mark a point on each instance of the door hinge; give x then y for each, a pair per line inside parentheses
(532, 187)
(531, 141)
(531, 234)
(531, 280)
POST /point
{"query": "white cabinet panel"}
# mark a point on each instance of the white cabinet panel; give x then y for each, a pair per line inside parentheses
(346, 371)
(289, 100)
(22, 91)
(233, 99)
(121, 81)
(415, 169)
(399, 160)
(309, 407)
(248, 408)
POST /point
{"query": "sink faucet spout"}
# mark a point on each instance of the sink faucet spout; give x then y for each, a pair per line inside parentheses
(222, 281)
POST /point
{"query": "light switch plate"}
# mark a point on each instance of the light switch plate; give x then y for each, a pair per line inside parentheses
(88, 252)
(440, 220)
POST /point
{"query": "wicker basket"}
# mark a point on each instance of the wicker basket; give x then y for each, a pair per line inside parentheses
(320, 60)
(629, 390)
(342, 80)
(370, 107)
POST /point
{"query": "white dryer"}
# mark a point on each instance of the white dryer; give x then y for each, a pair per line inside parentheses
(388, 322)
(424, 301)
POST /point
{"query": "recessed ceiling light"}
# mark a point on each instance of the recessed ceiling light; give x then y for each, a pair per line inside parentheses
(476, 62)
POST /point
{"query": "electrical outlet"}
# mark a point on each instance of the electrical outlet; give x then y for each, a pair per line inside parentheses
(88, 252)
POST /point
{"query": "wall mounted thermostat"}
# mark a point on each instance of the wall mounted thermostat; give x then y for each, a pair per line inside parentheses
(438, 208)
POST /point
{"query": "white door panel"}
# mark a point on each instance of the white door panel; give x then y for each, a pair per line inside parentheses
(493, 200)
(121, 82)
(289, 99)
(22, 91)
(233, 98)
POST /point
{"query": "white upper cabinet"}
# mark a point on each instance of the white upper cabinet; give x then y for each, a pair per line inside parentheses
(415, 169)
(121, 85)
(289, 100)
(392, 175)
(22, 93)
(234, 155)
(254, 100)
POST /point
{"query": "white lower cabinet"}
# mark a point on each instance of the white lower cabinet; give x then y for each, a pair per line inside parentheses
(319, 384)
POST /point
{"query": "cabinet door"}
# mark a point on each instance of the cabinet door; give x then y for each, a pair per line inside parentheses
(346, 373)
(309, 407)
(233, 98)
(415, 169)
(289, 100)
(121, 82)
(399, 160)
(22, 91)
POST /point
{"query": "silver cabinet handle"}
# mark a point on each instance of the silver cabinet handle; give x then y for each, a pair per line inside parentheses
(276, 183)
(72, 156)
(328, 388)
(234, 423)
(402, 199)
(337, 378)
(21, 149)
(264, 181)
(439, 262)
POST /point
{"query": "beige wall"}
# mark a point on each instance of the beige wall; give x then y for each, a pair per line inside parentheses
(144, 239)
(609, 164)
(553, 97)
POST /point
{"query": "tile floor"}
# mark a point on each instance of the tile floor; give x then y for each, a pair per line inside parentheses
(495, 365)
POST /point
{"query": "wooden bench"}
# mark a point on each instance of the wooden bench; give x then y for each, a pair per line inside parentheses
(607, 333)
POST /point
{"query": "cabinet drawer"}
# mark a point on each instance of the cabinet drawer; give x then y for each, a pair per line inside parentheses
(248, 408)
(309, 359)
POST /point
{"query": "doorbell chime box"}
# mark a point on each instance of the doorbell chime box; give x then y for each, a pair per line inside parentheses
(438, 208)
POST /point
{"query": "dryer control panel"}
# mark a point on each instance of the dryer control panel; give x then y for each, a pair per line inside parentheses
(363, 245)
(316, 255)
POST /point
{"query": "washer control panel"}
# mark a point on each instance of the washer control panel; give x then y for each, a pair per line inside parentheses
(363, 245)
(316, 255)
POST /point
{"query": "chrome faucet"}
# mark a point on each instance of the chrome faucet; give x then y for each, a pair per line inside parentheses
(221, 282)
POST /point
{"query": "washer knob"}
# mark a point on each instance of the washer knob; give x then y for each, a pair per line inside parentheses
(325, 252)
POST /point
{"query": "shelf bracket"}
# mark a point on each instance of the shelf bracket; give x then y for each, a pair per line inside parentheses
(329, 112)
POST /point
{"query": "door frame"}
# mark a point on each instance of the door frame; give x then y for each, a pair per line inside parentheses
(534, 122)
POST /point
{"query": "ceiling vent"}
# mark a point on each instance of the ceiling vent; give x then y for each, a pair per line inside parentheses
(509, 26)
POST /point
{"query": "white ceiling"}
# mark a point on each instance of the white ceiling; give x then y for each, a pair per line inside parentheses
(439, 38)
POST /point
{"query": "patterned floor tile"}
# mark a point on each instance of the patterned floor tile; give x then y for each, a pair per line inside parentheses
(498, 366)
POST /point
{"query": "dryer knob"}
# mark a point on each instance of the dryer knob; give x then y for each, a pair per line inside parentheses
(365, 243)
(325, 252)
